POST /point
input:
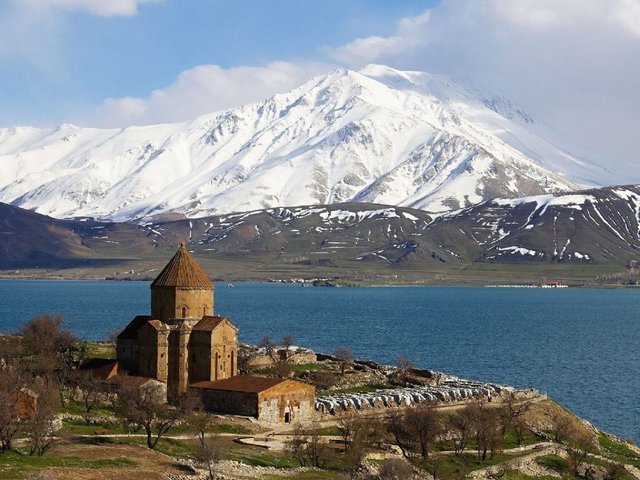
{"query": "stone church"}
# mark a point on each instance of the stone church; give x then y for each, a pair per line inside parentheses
(182, 341)
(184, 345)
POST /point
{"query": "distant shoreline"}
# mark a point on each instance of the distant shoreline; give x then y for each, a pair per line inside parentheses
(220, 283)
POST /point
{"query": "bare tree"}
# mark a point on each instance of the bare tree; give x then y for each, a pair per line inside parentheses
(282, 356)
(246, 355)
(426, 425)
(358, 434)
(297, 446)
(514, 413)
(580, 442)
(90, 389)
(11, 383)
(399, 429)
(51, 351)
(562, 423)
(9, 412)
(416, 429)
(305, 445)
(344, 357)
(211, 450)
(487, 427)
(404, 366)
(39, 421)
(461, 427)
(520, 426)
(145, 407)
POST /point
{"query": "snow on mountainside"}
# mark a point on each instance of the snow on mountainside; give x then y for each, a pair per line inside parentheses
(378, 135)
(598, 225)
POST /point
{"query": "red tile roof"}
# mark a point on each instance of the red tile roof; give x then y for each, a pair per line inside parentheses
(241, 383)
(208, 323)
(182, 271)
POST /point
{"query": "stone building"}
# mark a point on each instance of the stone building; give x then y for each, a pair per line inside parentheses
(182, 341)
(185, 346)
(270, 400)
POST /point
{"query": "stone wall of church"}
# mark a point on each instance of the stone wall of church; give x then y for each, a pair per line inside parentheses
(127, 354)
(200, 353)
(224, 356)
(169, 303)
(148, 351)
(178, 365)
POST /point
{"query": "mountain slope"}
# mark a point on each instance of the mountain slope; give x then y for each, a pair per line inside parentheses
(379, 135)
(592, 227)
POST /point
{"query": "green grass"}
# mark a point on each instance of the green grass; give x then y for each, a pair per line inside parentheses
(558, 464)
(261, 459)
(78, 408)
(508, 442)
(617, 450)
(308, 367)
(332, 431)
(14, 465)
(101, 350)
(80, 428)
(454, 467)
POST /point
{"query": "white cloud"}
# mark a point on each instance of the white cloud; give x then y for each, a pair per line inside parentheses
(205, 89)
(575, 63)
(102, 8)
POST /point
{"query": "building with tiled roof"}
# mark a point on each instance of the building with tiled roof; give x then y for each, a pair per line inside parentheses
(271, 401)
(187, 347)
(182, 341)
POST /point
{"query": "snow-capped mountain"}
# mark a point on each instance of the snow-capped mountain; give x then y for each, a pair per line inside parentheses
(379, 135)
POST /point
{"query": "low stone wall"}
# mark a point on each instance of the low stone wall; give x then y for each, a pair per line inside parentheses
(259, 359)
(450, 390)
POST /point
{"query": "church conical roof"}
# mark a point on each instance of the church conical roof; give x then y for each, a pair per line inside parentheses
(182, 271)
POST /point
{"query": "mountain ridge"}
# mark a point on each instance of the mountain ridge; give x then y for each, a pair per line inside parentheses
(586, 233)
(379, 135)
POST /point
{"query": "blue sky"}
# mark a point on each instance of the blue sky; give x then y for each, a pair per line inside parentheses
(81, 57)
(573, 64)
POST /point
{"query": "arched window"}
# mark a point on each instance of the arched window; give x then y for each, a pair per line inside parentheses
(184, 312)
(204, 310)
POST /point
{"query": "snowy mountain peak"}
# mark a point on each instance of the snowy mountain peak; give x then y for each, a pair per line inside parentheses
(378, 135)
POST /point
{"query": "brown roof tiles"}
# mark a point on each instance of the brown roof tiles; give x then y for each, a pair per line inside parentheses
(182, 271)
(209, 323)
(241, 383)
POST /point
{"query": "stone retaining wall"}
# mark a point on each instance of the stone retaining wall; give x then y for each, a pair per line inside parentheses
(450, 390)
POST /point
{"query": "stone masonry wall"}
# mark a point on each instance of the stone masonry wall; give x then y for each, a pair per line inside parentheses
(289, 401)
(167, 303)
(232, 403)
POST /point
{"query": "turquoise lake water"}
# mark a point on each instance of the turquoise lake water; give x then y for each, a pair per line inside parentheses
(579, 346)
